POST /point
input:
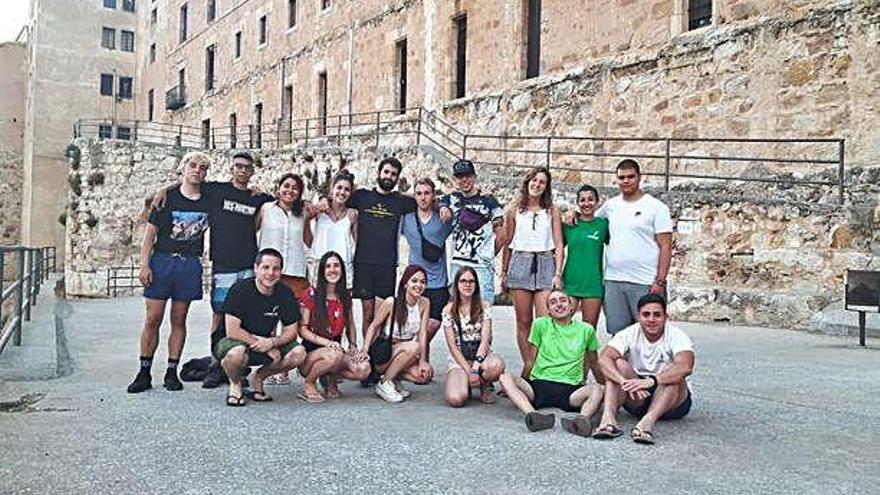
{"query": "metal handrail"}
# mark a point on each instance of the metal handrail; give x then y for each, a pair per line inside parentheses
(554, 152)
(32, 267)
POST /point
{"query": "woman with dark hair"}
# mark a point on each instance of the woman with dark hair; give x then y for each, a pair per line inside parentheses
(586, 240)
(282, 226)
(326, 313)
(467, 321)
(532, 260)
(406, 317)
(336, 228)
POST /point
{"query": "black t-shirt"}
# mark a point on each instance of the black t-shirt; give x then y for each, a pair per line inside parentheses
(260, 314)
(181, 224)
(378, 224)
(233, 225)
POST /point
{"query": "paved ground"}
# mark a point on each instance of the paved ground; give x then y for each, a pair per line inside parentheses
(775, 412)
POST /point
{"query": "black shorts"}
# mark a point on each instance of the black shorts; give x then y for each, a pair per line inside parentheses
(372, 281)
(553, 394)
(677, 413)
(438, 298)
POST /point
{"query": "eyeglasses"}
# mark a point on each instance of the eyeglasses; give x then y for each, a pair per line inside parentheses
(467, 281)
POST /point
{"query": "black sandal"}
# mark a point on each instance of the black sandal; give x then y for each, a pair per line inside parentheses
(235, 400)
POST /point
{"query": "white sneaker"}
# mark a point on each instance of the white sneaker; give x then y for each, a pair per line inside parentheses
(387, 392)
(398, 385)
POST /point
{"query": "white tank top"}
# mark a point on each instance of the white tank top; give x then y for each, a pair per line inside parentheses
(533, 233)
(333, 236)
(284, 231)
(413, 324)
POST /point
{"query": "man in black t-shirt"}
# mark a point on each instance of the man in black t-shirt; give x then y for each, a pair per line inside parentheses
(171, 268)
(253, 308)
(378, 227)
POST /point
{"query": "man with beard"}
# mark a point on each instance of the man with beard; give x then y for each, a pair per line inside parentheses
(378, 225)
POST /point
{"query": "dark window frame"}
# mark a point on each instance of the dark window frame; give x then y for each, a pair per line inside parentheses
(292, 6)
(233, 131)
(263, 29)
(401, 68)
(109, 4)
(183, 21)
(123, 132)
(126, 87)
(532, 28)
(211, 11)
(237, 46)
(326, 5)
(460, 77)
(699, 14)
(122, 44)
(152, 56)
(105, 131)
(210, 66)
(106, 85)
(129, 5)
(108, 38)
(151, 104)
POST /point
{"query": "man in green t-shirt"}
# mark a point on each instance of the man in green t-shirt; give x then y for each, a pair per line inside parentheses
(566, 351)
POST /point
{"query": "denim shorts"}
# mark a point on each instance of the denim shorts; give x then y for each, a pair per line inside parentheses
(175, 277)
(531, 271)
(222, 282)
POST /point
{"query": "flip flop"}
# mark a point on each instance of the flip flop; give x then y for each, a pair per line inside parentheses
(643, 437)
(235, 400)
(607, 432)
(259, 396)
(536, 421)
(311, 399)
(580, 426)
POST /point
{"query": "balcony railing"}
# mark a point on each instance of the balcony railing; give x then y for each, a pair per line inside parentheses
(175, 98)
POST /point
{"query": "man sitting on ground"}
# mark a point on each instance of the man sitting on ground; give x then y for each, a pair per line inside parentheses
(565, 348)
(252, 310)
(646, 366)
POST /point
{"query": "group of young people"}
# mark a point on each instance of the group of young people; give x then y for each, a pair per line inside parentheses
(279, 308)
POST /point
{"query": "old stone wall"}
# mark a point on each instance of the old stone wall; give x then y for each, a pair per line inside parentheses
(12, 116)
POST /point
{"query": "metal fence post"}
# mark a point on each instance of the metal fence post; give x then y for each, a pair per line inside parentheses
(841, 172)
(378, 119)
(2, 278)
(19, 297)
(178, 140)
(419, 128)
(668, 162)
(38, 274)
(307, 132)
(339, 130)
(30, 284)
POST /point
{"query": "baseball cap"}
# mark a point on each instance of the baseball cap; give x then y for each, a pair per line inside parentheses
(463, 167)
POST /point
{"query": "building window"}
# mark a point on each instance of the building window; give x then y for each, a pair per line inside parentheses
(233, 133)
(181, 79)
(326, 4)
(209, 68)
(699, 13)
(263, 29)
(123, 132)
(125, 86)
(126, 41)
(150, 105)
(183, 16)
(108, 38)
(237, 50)
(206, 133)
(128, 5)
(110, 4)
(211, 9)
(154, 16)
(107, 84)
(105, 131)
(400, 48)
(460, 55)
(291, 13)
(322, 103)
(532, 28)
(152, 52)
(257, 135)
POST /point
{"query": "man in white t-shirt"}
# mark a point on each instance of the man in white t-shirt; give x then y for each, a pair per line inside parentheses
(646, 368)
(640, 248)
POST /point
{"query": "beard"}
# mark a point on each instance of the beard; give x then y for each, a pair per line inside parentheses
(387, 184)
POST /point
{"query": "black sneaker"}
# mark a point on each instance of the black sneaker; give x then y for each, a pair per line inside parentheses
(215, 377)
(143, 381)
(171, 381)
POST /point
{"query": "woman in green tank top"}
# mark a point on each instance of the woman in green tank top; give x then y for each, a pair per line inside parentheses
(586, 240)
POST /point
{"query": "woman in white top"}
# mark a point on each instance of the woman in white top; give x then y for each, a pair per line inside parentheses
(282, 226)
(336, 229)
(406, 316)
(533, 259)
(467, 322)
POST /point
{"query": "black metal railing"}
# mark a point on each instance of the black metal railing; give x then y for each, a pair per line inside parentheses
(790, 162)
(124, 279)
(22, 272)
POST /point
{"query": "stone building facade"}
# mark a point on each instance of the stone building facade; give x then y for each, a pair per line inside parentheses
(12, 112)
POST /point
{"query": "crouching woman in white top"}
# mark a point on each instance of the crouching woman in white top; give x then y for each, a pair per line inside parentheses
(399, 354)
(467, 322)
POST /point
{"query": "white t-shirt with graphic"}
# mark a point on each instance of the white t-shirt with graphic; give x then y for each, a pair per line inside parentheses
(650, 358)
(633, 252)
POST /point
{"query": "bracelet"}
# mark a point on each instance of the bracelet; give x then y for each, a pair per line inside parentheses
(661, 283)
(653, 379)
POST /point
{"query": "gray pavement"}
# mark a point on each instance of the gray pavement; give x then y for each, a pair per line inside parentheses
(775, 412)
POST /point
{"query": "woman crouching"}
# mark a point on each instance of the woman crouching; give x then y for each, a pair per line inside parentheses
(467, 321)
(326, 308)
(399, 354)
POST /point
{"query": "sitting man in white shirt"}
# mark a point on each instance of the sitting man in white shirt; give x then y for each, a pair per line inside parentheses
(646, 366)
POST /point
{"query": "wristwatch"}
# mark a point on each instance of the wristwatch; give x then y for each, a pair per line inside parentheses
(480, 359)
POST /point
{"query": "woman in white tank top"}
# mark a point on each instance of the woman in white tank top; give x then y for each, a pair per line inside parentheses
(406, 317)
(533, 259)
(336, 229)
